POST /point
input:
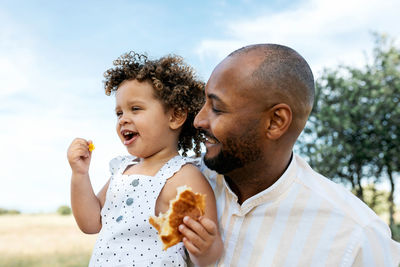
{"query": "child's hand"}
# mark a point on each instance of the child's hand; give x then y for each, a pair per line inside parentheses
(79, 155)
(199, 236)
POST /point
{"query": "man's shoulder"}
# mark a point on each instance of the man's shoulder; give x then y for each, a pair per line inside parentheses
(355, 221)
(335, 197)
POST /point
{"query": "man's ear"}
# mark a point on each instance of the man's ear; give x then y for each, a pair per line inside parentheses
(279, 120)
(177, 118)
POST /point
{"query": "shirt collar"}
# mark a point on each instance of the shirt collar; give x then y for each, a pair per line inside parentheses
(269, 195)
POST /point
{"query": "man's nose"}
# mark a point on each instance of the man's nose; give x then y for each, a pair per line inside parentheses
(200, 121)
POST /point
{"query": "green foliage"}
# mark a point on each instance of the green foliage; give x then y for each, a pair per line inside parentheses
(376, 199)
(340, 124)
(6, 211)
(396, 232)
(386, 73)
(64, 210)
(355, 122)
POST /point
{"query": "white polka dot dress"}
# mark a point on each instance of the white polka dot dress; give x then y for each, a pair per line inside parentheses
(127, 238)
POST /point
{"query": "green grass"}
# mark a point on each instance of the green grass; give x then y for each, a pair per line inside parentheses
(49, 260)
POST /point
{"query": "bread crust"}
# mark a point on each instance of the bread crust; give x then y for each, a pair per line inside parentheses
(186, 203)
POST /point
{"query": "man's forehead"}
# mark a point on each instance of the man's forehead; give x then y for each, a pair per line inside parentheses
(228, 94)
(233, 74)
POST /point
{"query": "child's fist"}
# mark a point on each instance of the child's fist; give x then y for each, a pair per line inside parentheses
(79, 155)
(199, 236)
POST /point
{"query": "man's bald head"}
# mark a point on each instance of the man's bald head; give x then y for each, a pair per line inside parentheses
(281, 76)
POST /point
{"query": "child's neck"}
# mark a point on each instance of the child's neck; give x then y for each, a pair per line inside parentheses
(160, 157)
(151, 165)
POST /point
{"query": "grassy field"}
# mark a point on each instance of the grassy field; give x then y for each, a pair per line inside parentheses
(43, 240)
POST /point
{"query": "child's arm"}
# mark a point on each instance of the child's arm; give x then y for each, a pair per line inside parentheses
(86, 206)
(201, 238)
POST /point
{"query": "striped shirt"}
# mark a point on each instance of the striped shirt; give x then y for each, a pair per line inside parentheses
(303, 219)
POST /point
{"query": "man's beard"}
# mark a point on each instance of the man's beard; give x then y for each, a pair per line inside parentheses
(239, 152)
(223, 163)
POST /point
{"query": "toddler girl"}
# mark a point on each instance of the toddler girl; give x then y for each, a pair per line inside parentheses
(156, 102)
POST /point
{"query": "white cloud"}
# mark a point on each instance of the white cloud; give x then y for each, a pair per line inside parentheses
(325, 32)
(42, 111)
(17, 58)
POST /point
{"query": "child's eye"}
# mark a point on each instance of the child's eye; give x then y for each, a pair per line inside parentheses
(118, 113)
(135, 108)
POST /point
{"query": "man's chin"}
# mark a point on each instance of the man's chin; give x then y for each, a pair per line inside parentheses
(222, 163)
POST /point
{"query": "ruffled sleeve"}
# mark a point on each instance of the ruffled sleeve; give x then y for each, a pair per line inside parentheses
(174, 165)
(118, 164)
(195, 161)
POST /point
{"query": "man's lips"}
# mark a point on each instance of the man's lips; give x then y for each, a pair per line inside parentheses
(210, 139)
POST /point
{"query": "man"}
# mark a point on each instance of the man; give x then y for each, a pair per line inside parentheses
(274, 210)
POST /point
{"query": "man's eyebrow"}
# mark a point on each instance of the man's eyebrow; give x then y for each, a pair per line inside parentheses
(214, 97)
(217, 100)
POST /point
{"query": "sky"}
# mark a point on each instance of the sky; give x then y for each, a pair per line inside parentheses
(53, 55)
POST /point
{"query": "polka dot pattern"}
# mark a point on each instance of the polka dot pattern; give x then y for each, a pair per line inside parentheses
(129, 201)
(127, 238)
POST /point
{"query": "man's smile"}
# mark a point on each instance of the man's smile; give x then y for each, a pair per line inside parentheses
(210, 139)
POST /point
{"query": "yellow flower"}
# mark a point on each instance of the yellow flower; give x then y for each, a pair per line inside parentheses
(91, 147)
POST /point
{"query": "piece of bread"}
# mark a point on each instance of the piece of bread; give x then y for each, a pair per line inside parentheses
(186, 203)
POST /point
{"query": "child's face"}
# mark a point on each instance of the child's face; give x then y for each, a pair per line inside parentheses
(143, 124)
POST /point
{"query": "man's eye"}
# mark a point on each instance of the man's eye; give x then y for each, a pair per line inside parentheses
(215, 110)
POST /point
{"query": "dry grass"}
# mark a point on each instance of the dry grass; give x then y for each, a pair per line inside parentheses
(43, 240)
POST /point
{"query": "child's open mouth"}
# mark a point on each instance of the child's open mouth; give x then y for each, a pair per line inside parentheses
(129, 136)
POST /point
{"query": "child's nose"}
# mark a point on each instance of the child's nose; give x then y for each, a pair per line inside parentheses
(123, 119)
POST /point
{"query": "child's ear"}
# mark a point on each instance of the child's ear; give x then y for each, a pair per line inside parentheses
(177, 118)
(279, 120)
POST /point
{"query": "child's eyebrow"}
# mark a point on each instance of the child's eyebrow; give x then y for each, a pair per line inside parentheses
(131, 102)
(135, 102)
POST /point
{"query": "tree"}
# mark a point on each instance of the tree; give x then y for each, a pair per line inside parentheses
(355, 122)
(339, 125)
(376, 199)
(385, 71)
(64, 210)
(6, 211)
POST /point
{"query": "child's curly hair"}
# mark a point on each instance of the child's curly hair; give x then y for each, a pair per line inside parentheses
(174, 84)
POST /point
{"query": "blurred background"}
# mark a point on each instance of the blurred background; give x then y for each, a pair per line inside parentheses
(53, 55)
